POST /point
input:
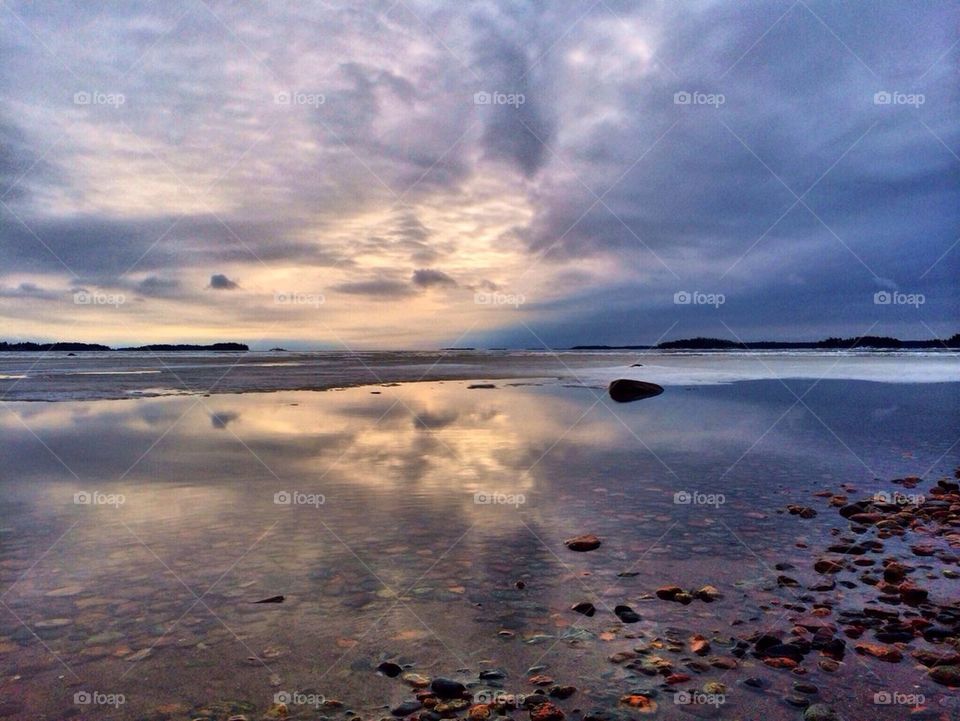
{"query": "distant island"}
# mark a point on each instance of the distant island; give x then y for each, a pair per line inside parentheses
(867, 341)
(83, 347)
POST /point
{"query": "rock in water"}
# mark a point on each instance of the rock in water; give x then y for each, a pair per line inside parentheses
(546, 712)
(946, 675)
(624, 390)
(389, 669)
(820, 712)
(447, 688)
(586, 542)
(406, 708)
(585, 607)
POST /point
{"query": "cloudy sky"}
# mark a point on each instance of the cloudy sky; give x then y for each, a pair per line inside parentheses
(407, 173)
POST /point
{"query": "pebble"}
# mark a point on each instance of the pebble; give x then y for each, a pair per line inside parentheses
(406, 708)
(946, 675)
(390, 669)
(639, 702)
(708, 594)
(820, 712)
(586, 542)
(586, 608)
(417, 680)
(884, 653)
(546, 712)
(699, 645)
(479, 712)
(447, 688)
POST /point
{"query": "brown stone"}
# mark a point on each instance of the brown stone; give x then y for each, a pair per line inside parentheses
(884, 653)
(586, 542)
(546, 712)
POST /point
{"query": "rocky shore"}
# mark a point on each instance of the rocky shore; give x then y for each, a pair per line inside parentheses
(891, 548)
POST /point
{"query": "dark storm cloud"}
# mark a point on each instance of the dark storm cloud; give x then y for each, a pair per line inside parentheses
(380, 288)
(17, 160)
(518, 126)
(30, 290)
(429, 277)
(154, 286)
(102, 246)
(218, 281)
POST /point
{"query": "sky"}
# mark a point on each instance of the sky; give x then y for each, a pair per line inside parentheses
(415, 174)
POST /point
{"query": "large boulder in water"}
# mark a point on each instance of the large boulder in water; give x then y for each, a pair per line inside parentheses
(624, 390)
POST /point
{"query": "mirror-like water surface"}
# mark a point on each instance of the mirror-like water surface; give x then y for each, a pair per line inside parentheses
(424, 524)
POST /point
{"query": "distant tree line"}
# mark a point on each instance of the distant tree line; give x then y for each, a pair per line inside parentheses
(76, 347)
(867, 341)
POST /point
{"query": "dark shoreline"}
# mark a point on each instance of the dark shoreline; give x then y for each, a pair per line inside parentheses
(97, 348)
(863, 343)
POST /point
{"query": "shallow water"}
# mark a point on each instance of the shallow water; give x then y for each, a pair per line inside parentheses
(396, 521)
(114, 375)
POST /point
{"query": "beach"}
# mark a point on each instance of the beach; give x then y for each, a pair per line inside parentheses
(184, 554)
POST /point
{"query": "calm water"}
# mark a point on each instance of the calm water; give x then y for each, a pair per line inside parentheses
(361, 507)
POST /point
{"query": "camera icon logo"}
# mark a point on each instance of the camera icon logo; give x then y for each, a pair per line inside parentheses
(883, 698)
(283, 498)
(83, 498)
(882, 297)
(81, 98)
(282, 697)
(682, 498)
(682, 297)
(82, 698)
(682, 698)
(281, 98)
(482, 98)
(682, 98)
(882, 98)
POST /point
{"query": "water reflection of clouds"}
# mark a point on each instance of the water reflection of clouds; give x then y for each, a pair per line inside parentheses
(430, 439)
